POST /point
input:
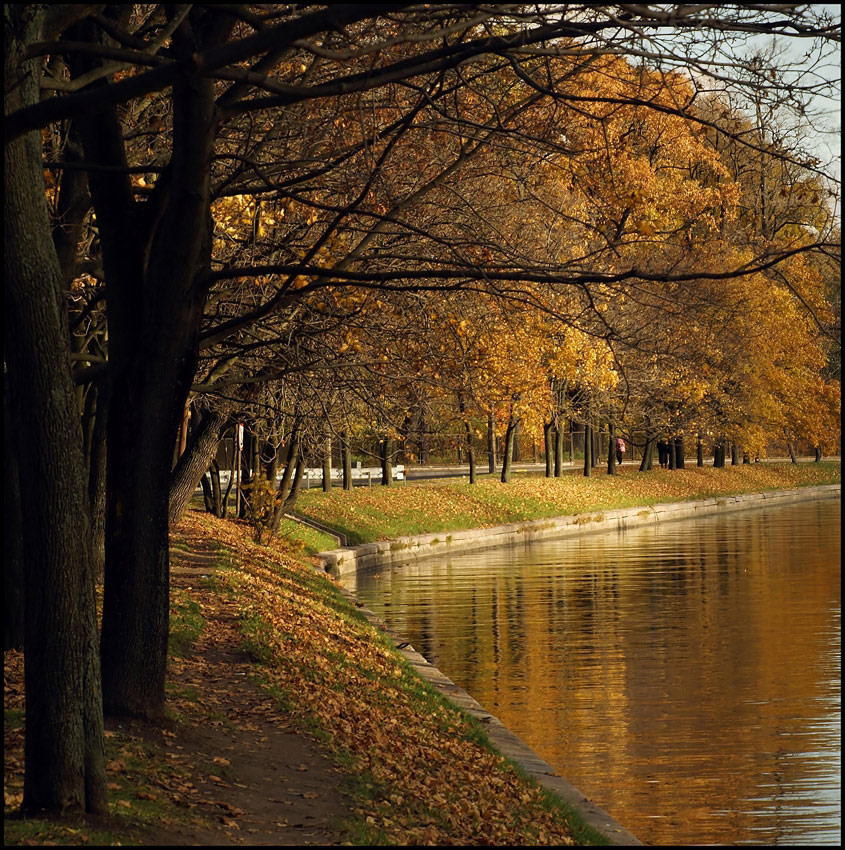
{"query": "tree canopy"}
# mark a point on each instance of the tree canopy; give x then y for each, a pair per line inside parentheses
(350, 218)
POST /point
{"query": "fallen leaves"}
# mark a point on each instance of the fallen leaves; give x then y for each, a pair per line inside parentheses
(430, 781)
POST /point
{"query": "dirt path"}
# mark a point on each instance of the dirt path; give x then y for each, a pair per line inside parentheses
(254, 778)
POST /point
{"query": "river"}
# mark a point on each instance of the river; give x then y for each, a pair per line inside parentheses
(684, 676)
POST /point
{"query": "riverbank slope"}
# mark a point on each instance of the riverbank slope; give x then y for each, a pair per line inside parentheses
(412, 769)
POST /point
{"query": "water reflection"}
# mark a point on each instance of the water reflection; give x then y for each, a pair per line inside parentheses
(686, 677)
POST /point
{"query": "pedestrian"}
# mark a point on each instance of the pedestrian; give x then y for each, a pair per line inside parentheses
(620, 450)
(663, 452)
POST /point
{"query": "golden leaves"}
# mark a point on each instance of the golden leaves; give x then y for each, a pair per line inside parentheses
(441, 787)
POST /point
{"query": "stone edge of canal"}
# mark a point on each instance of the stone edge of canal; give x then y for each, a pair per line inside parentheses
(352, 559)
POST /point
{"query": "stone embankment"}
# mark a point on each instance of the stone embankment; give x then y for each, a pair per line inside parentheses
(350, 559)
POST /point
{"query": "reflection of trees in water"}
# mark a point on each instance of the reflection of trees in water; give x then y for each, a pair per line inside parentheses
(669, 671)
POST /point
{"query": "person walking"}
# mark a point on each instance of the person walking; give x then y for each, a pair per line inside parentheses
(620, 450)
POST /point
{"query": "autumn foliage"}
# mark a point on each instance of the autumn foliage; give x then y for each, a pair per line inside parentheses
(428, 774)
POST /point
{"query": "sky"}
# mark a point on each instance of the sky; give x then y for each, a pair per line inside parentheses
(827, 139)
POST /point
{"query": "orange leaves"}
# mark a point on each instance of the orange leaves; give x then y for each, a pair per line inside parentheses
(438, 786)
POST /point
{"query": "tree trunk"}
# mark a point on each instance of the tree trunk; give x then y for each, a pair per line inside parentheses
(216, 490)
(611, 449)
(548, 443)
(386, 465)
(515, 451)
(699, 452)
(296, 486)
(678, 452)
(818, 454)
(207, 495)
(648, 453)
(155, 305)
(791, 447)
(596, 448)
(346, 458)
(13, 550)
(734, 454)
(491, 442)
(95, 461)
(194, 461)
(64, 760)
(286, 483)
(327, 464)
(588, 450)
(507, 453)
(559, 449)
(470, 452)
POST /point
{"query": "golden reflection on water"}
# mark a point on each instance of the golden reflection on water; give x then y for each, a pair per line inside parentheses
(685, 677)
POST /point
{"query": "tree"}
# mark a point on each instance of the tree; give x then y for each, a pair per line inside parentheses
(64, 722)
(301, 109)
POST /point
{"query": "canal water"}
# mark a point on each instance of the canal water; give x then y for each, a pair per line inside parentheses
(684, 676)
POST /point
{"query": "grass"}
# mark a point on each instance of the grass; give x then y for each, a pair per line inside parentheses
(186, 622)
(396, 737)
(379, 513)
(137, 771)
(344, 682)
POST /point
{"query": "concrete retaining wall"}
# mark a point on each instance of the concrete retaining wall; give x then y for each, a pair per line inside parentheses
(403, 550)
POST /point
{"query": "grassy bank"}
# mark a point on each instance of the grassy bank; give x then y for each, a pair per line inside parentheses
(420, 770)
(379, 513)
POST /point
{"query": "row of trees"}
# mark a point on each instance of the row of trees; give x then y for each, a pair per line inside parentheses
(357, 218)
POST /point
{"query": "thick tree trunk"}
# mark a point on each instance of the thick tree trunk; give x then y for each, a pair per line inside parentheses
(156, 256)
(386, 465)
(677, 450)
(648, 452)
(194, 461)
(155, 306)
(64, 761)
